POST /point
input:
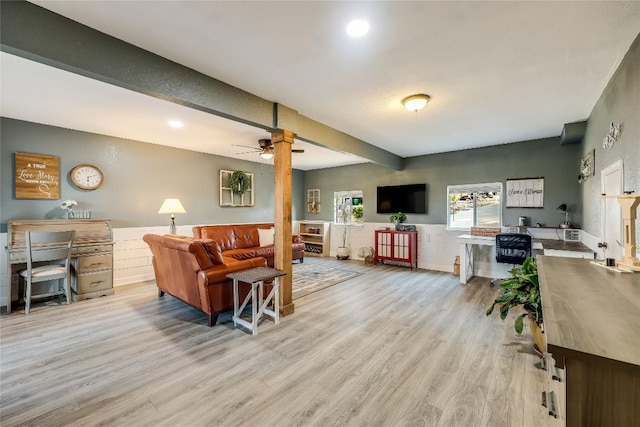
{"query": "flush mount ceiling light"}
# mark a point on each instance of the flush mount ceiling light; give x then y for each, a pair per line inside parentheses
(357, 28)
(175, 124)
(416, 102)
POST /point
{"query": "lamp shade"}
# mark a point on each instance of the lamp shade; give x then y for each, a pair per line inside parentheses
(171, 206)
(416, 102)
(562, 208)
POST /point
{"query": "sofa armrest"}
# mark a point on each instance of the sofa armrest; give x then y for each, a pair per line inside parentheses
(219, 272)
(296, 239)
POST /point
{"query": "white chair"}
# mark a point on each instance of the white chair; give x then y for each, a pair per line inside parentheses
(48, 258)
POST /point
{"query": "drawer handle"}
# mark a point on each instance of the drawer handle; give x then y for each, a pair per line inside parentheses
(553, 409)
(97, 283)
(555, 375)
(544, 399)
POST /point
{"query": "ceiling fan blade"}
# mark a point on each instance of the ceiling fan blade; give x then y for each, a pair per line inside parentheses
(300, 150)
(246, 146)
(247, 152)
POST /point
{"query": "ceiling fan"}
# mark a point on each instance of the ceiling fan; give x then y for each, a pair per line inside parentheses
(265, 149)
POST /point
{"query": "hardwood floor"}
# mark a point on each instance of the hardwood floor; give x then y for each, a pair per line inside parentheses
(391, 347)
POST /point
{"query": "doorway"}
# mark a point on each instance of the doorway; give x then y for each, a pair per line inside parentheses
(612, 179)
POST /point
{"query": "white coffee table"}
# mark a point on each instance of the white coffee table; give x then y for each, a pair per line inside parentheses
(256, 277)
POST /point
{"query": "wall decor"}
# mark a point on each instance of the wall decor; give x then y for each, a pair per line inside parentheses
(612, 137)
(37, 176)
(313, 201)
(525, 193)
(87, 177)
(239, 182)
(236, 188)
(587, 166)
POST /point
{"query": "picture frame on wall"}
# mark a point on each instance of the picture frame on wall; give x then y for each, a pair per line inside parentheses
(587, 166)
(525, 193)
(37, 176)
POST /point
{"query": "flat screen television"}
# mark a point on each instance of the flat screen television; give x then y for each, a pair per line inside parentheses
(411, 198)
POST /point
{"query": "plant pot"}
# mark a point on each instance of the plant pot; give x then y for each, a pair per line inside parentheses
(343, 253)
(538, 337)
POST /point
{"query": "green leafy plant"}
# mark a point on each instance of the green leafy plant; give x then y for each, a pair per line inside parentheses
(239, 182)
(358, 212)
(521, 289)
(400, 217)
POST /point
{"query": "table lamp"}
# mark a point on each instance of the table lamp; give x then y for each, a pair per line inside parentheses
(563, 209)
(172, 206)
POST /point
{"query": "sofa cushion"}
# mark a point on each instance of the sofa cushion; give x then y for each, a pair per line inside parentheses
(265, 251)
(214, 251)
(246, 236)
(266, 236)
(241, 253)
(224, 236)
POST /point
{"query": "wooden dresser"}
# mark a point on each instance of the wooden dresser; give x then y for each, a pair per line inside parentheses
(592, 333)
(92, 255)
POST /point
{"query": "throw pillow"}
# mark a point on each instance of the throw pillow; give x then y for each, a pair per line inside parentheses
(266, 236)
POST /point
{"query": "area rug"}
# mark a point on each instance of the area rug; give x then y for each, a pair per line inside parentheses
(309, 278)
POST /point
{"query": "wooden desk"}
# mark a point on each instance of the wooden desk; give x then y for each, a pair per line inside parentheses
(552, 247)
(91, 255)
(591, 319)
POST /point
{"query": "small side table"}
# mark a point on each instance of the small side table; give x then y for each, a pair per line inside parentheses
(256, 277)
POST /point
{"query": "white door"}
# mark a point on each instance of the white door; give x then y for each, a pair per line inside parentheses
(612, 181)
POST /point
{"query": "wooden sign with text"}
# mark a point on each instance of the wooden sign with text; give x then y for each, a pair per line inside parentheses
(37, 176)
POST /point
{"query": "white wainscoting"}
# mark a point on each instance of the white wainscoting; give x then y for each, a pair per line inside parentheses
(437, 250)
(437, 247)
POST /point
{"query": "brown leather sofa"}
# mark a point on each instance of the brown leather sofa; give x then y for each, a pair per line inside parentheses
(242, 241)
(195, 270)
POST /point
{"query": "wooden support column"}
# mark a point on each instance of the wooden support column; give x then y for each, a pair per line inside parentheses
(282, 141)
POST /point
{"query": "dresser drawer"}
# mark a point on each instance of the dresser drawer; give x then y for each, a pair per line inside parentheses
(93, 263)
(82, 250)
(15, 257)
(93, 282)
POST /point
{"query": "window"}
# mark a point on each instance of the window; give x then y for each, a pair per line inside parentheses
(474, 205)
(348, 207)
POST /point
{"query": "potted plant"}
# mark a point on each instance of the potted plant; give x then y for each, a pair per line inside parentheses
(358, 213)
(522, 289)
(344, 215)
(398, 218)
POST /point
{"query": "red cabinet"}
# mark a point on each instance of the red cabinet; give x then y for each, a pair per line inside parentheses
(397, 246)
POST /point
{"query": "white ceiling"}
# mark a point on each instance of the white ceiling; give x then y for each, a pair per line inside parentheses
(497, 72)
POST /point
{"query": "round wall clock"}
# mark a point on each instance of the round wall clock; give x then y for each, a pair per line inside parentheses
(87, 177)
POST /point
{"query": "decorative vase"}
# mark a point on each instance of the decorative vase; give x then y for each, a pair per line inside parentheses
(343, 253)
(538, 337)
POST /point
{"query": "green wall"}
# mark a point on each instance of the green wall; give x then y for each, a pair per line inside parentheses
(558, 164)
(138, 177)
(619, 103)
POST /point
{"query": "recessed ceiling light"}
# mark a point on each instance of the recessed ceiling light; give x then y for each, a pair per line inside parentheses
(357, 28)
(176, 124)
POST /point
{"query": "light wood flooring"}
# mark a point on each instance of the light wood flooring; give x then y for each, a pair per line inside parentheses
(391, 347)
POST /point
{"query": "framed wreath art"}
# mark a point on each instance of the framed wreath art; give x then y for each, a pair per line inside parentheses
(236, 188)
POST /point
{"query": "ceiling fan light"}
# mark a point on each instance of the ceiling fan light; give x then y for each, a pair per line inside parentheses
(266, 154)
(416, 102)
